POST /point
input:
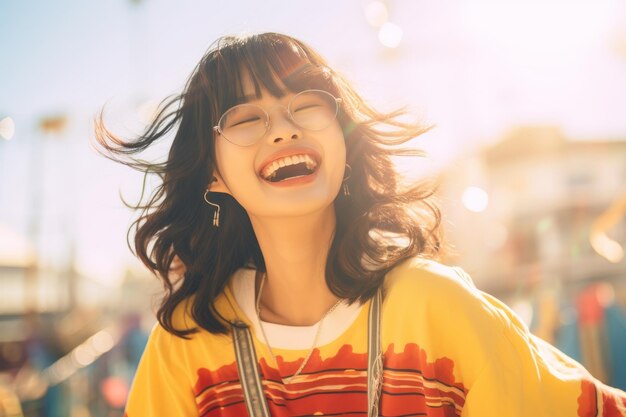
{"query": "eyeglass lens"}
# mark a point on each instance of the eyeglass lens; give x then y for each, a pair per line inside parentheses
(247, 123)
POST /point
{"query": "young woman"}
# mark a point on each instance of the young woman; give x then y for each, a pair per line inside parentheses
(300, 278)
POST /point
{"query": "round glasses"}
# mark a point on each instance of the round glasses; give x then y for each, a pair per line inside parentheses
(246, 124)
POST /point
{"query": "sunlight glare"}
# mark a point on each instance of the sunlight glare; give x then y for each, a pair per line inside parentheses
(545, 33)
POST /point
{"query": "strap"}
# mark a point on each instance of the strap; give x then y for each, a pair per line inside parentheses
(250, 377)
(249, 374)
(374, 356)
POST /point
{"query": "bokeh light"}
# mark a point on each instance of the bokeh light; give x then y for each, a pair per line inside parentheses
(7, 128)
(376, 13)
(115, 390)
(475, 199)
(390, 35)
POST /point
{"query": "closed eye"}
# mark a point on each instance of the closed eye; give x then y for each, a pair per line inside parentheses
(308, 107)
(249, 120)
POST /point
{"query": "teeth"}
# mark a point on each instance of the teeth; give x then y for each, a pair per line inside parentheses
(270, 170)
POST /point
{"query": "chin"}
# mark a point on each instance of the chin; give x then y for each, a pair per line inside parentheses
(300, 207)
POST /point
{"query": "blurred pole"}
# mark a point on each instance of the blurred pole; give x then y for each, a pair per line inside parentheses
(33, 219)
(51, 127)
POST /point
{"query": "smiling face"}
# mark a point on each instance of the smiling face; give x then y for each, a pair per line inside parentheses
(290, 170)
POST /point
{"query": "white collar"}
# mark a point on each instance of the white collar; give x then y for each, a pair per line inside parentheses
(291, 337)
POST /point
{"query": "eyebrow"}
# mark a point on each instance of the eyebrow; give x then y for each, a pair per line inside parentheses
(246, 98)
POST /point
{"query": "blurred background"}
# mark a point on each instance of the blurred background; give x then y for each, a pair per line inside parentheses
(529, 151)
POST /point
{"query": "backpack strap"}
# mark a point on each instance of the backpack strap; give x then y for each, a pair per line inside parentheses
(249, 374)
(374, 356)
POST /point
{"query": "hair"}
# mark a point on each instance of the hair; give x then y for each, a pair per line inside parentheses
(378, 225)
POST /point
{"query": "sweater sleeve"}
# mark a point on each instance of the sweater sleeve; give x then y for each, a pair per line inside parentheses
(529, 377)
(161, 386)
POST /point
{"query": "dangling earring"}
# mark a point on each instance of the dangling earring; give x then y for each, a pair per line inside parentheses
(346, 189)
(216, 214)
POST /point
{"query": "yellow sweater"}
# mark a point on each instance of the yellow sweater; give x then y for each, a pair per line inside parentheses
(449, 350)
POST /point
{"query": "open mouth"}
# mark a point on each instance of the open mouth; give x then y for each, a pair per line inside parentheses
(289, 167)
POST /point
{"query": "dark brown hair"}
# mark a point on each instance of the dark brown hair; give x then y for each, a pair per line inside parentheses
(175, 224)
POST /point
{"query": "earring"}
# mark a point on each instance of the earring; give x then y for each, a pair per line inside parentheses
(216, 214)
(346, 189)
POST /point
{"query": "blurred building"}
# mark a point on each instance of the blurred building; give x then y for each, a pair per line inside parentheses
(520, 213)
(525, 206)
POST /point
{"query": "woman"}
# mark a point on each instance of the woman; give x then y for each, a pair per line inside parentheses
(300, 278)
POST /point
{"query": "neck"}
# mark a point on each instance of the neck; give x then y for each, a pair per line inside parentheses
(295, 250)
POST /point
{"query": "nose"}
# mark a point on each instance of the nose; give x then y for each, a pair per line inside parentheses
(282, 128)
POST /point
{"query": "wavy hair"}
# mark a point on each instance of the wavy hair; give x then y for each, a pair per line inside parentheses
(378, 225)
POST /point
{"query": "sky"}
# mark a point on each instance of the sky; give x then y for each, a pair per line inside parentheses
(470, 66)
(473, 68)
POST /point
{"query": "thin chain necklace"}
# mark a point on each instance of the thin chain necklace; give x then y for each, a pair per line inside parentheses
(286, 380)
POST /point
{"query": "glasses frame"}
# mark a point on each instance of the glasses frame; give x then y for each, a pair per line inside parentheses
(337, 100)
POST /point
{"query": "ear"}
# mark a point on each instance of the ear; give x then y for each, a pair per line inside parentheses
(218, 185)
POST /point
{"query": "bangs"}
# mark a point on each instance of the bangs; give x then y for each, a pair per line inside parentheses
(277, 63)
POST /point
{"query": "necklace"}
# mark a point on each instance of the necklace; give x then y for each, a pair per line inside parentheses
(267, 342)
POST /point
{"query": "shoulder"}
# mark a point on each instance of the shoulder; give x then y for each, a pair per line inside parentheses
(163, 341)
(183, 317)
(447, 294)
(195, 348)
(419, 276)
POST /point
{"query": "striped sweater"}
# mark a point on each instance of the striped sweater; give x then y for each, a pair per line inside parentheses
(449, 350)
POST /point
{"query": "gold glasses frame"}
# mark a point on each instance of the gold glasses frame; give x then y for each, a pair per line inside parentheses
(217, 129)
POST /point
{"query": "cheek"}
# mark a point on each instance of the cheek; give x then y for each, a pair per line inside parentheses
(226, 163)
(236, 166)
(336, 148)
